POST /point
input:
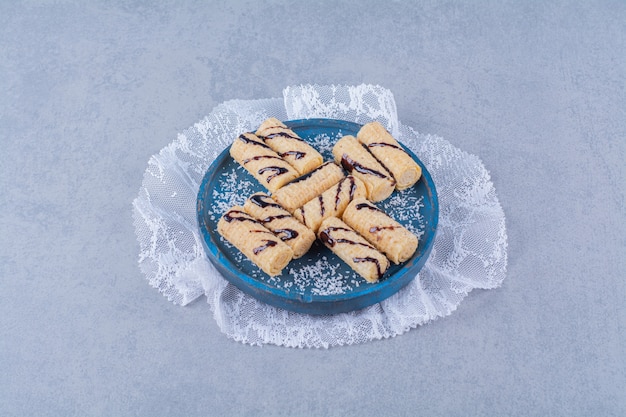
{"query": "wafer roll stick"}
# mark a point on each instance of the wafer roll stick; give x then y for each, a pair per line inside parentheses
(280, 222)
(302, 156)
(378, 228)
(255, 241)
(331, 202)
(262, 162)
(353, 249)
(355, 159)
(299, 191)
(390, 153)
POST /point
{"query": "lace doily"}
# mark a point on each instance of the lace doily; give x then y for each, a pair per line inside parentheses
(470, 250)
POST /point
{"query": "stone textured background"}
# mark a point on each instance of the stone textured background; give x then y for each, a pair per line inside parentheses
(90, 90)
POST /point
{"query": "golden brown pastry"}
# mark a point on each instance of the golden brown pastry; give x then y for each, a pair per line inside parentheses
(255, 241)
(284, 141)
(355, 159)
(353, 249)
(379, 229)
(262, 162)
(390, 153)
(299, 191)
(331, 202)
(278, 220)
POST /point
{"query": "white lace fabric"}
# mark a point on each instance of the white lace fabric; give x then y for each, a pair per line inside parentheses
(470, 248)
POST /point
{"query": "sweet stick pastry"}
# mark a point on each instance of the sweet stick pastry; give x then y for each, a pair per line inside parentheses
(255, 241)
(262, 162)
(280, 222)
(353, 249)
(331, 202)
(355, 159)
(284, 141)
(302, 189)
(390, 153)
(378, 228)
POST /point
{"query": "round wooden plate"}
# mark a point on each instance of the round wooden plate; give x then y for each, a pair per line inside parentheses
(319, 282)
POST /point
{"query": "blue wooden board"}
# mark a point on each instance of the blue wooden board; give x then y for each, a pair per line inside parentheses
(319, 282)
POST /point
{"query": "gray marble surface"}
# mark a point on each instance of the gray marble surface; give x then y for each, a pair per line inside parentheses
(90, 90)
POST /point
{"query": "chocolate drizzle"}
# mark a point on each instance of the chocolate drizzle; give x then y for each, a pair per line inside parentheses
(352, 191)
(262, 201)
(277, 171)
(249, 141)
(295, 154)
(352, 188)
(379, 228)
(370, 259)
(288, 234)
(303, 215)
(350, 165)
(390, 145)
(258, 157)
(322, 209)
(268, 244)
(283, 134)
(361, 206)
(307, 176)
(325, 236)
(228, 216)
(262, 231)
(270, 219)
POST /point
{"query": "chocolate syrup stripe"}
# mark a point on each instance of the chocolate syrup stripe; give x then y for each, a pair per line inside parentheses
(391, 145)
(259, 157)
(303, 215)
(379, 270)
(261, 231)
(277, 171)
(331, 241)
(362, 206)
(306, 176)
(244, 139)
(379, 228)
(375, 229)
(228, 216)
(339, 187)
(350, 165)
(283, 133)
(270, 219)
(262, 201)
(268, 244)
(295, 154)
(288, 234)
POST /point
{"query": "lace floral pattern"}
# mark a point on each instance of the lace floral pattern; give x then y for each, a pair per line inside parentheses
(470, 250)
